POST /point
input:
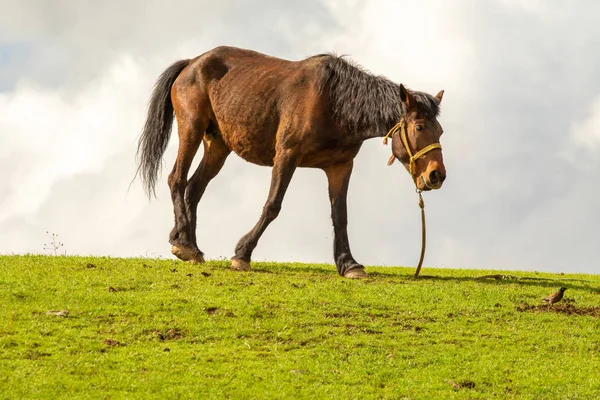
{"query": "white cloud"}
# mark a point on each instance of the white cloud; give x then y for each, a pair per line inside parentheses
(586, 133)
(56, 136)
(529, 6)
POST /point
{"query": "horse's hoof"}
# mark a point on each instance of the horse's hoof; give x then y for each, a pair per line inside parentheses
(239, 265)
(356, 273)
(198, 259)
(187, 254)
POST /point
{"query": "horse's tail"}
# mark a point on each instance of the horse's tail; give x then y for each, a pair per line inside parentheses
(157, 129)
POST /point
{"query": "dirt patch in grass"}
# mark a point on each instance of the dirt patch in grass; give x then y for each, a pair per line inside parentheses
(566, 308)
(211, 310)
(36, 355)
(171, 334)
(58, 313)
(112, 342)
(464, 384)
(116, 289)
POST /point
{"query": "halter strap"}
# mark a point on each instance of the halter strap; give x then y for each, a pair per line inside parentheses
(403, 135)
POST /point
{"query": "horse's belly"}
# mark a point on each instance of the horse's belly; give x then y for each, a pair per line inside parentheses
(255, 146)
(325, 157)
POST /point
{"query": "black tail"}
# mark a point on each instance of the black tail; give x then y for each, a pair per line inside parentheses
(157, 130)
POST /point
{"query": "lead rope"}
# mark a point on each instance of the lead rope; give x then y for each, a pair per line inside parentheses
(402, 127)
(423, 234)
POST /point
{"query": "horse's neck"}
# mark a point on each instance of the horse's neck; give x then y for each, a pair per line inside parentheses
(378, 130)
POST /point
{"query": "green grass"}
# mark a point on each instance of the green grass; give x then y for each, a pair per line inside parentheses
(146, 328)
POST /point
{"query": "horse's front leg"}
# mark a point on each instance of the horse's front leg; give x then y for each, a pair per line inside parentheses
(283, 170)
(338, 176)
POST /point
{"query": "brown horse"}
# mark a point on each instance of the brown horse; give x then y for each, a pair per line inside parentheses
(312, 113)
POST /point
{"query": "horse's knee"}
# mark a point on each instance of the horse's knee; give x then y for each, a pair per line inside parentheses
(171, 179)
(175, 182)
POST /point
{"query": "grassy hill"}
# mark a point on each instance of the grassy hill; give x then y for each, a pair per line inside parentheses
(74, 327)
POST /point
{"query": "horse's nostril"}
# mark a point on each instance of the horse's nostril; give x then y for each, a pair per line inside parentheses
(436, 177)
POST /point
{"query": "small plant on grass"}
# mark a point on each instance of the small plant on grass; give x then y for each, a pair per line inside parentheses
(54, 244)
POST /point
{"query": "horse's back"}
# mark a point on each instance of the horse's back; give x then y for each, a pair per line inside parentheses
(256, 77)
(253, 96)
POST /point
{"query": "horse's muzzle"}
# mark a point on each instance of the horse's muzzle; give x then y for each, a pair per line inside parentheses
(433, 181)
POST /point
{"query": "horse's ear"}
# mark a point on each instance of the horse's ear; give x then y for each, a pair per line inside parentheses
(406, 97)
(439, 96)
(392, 159)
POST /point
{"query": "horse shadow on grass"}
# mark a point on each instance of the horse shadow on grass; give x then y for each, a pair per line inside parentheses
(503, 279)
(329, 271)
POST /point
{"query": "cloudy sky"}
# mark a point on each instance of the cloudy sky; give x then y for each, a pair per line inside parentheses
(521, 114)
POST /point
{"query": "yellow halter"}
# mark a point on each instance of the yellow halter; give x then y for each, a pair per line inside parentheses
(413, 158)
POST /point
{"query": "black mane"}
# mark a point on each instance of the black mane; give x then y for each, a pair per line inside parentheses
(364, 103)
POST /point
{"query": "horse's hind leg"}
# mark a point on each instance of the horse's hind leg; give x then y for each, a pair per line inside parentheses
(283, 170)
(215, 154)
(191, 127)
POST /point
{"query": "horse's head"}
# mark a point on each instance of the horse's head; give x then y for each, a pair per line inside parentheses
(416, 139)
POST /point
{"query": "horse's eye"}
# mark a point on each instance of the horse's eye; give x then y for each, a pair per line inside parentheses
(419, 127)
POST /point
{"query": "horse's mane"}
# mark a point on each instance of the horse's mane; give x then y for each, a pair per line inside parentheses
(365, 102)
